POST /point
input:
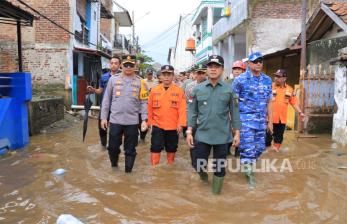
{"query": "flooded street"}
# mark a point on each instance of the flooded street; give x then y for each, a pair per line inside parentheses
(315, 192)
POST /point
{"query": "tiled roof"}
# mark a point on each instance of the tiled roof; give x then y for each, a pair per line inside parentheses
(339, 8)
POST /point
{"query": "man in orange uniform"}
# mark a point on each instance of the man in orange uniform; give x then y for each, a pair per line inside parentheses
(167, 115)
(283, 94)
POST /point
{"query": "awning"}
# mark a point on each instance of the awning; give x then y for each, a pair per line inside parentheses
(92, 52)
(123, 18)
(10, 14)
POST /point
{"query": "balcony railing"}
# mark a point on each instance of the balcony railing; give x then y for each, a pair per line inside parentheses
(121, 42)
(82, 36)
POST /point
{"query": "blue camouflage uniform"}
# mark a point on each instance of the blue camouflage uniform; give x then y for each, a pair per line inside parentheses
(254, 94)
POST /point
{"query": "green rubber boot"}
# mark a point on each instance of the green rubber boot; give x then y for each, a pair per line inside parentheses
(203, 176)
(217, 184)
(250, 175)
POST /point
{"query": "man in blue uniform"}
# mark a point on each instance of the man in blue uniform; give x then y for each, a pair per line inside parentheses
(115, 62)
(124, 99)
(254, 90)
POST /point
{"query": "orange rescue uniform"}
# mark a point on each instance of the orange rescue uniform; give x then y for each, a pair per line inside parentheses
(282, 96)
(167, 108)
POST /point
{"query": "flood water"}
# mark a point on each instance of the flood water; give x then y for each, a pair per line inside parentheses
(315, 192)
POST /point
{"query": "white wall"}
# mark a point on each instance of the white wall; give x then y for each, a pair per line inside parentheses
(182, 59)
(271, 35)
(340, 96)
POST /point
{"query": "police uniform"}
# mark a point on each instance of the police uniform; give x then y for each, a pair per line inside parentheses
(166, 113)
(124, 99)
(209, 113)
(282, 97)
(254, 94)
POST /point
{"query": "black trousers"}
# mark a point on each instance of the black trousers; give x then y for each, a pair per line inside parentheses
(102, 133)
(277, 136)
(115, 139)
(142, 133)
(192, 151)
(202, 152)
(164, 139)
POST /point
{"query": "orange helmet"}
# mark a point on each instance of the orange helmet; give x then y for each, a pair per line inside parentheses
(239, 64)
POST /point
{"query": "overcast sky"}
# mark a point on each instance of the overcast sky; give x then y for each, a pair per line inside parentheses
(163, 14)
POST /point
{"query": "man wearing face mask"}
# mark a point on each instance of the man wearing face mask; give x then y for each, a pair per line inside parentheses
(255, 93)
(283, 94)
(125, 99)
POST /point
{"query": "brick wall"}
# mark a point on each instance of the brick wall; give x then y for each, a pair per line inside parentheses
(276, 9)
(45, 46)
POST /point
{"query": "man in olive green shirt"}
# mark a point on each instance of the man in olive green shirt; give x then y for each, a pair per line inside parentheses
(214, 112)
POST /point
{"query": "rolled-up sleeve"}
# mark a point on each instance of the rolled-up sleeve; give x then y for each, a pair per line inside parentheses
(193, 110)
(106, 101)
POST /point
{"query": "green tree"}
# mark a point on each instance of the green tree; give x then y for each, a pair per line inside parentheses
(145, 61)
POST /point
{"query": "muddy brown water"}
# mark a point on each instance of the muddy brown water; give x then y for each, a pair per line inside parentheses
(315, 192)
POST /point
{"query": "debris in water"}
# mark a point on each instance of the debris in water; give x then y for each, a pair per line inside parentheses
(59, 172)
(68, 219)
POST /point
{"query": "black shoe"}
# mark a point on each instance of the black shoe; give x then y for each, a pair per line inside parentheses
(129, 163)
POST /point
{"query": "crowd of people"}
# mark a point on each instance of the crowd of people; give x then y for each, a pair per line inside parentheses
(245, 112)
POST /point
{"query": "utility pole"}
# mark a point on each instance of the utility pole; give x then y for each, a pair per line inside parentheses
(303, 60)
(133, 18)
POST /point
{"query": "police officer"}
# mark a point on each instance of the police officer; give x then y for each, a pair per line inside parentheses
(283, 95)
(124, 99)
(209, 113)
(115, 62)
(167, 115)
(254, 91)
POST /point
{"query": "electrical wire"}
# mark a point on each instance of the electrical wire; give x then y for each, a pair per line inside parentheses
(163, 35)
(52, 21)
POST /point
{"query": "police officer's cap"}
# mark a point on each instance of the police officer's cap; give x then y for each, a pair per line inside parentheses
(149, 71)
(281, 72)
(254, 56)
(167, 68)
(129, 59)
(216, 59)
(200, 68)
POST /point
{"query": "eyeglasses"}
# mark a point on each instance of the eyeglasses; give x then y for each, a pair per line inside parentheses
(128, 65)
(258, 60)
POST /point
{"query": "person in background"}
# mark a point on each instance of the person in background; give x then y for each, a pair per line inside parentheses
(283, 95)
(150, 80)
(115, 63)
